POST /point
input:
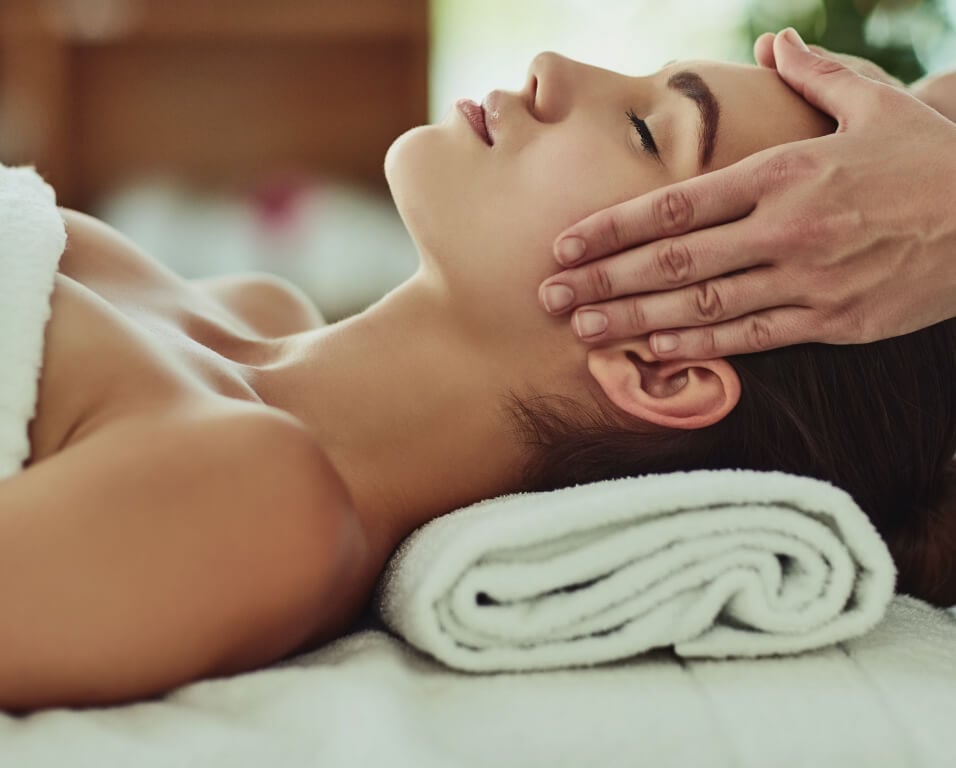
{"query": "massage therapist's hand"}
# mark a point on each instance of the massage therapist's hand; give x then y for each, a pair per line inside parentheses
(844, 239)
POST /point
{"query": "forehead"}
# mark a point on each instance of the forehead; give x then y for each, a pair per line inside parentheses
(757, 109)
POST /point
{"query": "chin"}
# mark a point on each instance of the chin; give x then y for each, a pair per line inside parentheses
(395, 156)
(416, 170)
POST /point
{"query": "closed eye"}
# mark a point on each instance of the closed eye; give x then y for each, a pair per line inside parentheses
(647, 140)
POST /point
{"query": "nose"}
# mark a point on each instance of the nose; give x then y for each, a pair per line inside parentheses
(552, 84)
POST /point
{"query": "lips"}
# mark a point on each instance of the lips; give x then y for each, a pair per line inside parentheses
(475, 115)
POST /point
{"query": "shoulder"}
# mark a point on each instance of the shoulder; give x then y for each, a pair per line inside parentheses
(203, 543)
(271, 446)
(245, 456)
(257, 468)
(283, 493)
(268, 303)
(296, 504)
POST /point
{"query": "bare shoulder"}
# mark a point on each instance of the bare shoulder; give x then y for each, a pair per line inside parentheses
(200, 544)
(287, 463)
(245, 433)
(269, 304)
(263, 435)
(288, 496)
(257, 441)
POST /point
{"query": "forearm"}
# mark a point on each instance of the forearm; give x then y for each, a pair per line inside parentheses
(938, 91)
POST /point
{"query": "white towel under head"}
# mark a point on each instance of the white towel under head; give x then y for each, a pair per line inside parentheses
(32, 239)
(716, 563)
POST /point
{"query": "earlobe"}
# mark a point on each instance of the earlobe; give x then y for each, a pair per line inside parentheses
(680, 394)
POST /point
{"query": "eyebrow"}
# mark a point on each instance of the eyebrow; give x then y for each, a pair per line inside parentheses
(692, 85)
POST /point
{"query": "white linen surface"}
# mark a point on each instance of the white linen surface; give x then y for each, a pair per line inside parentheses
(882, 700)
(718, 563)
(32, 239)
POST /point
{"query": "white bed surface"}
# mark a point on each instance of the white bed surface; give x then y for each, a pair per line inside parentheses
(885, 699)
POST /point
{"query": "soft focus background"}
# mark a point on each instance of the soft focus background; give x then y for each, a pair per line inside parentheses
(248, 135)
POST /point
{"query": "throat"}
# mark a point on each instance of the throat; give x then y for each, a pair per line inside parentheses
(225, 360)
(405, 408)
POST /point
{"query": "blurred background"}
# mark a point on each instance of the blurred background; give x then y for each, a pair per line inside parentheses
(248, 135)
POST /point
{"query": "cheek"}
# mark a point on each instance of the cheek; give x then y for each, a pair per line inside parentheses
(488, 221)
(457, 196)
(555, 184)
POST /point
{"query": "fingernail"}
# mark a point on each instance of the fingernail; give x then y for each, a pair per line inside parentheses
(570, 250)
(791, 36)
(666, 342)
(557, 297)
(590, 323)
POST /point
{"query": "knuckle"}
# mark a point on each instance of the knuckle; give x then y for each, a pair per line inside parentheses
(852, 224)
(707, 302)
(834, 290)
(617, 232)
(758, 334)
(783, 169)
(807, 285)
(764, 239)
(707, 342)
(881, 100)
(673, 212)
(674, 262)
(635, 317)
(887, 97)
(599, 282)
(775, 173)
(847, 325)
(810, 230)
(824, 65)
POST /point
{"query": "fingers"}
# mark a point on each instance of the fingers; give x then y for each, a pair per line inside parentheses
(763, 50)
(820, 79)
(659, 266)
(714, 198)
(707, 302)
(772, 328)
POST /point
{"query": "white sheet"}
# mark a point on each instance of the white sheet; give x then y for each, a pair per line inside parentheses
(885, 699)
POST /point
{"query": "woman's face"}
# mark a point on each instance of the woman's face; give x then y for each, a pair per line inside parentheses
(568, 144)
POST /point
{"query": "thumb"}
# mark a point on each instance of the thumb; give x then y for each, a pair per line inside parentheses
(763, 50)
(824, 82)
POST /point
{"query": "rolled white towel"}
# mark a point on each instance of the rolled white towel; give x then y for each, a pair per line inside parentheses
(715, 563)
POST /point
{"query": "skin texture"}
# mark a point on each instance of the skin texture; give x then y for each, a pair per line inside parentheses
(844, 239)
(388, 419)
(408, 397)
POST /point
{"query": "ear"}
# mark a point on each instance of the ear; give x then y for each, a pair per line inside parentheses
(681, 394)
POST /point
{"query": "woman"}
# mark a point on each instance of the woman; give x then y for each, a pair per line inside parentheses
(237, 474)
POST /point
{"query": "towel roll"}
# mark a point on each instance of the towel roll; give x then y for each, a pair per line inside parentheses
(716, 563)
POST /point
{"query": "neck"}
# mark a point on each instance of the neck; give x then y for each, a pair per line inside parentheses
(411, 412)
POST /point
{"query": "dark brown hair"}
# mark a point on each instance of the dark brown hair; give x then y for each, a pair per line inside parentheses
(877, 420)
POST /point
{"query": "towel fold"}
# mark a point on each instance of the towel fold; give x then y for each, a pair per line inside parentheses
(32, 239)
(716, 563)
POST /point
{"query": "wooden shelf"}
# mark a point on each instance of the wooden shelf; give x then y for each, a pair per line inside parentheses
(219, 92)
(142, 20)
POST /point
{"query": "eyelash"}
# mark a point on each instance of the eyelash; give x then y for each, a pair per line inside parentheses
(647, 140)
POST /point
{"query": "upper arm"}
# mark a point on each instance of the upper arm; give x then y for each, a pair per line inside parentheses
(143, 558)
